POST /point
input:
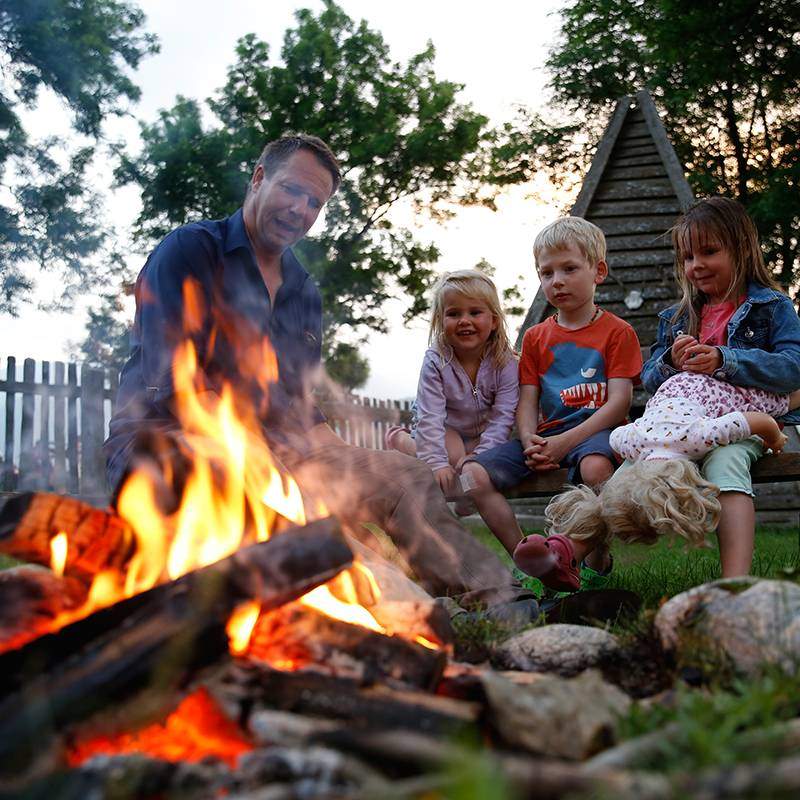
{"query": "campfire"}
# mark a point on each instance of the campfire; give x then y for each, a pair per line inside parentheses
(212, 558)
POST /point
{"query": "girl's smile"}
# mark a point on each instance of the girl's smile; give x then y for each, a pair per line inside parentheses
(468, 323)
(709, 267)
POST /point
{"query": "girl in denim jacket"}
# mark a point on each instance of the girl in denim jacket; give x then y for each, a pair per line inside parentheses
(735, 324)
(468, 386)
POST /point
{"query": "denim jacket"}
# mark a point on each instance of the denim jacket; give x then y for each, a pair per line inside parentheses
(447, 397)
(763, 347)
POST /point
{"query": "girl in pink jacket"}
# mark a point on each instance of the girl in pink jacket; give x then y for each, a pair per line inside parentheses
(468, 386)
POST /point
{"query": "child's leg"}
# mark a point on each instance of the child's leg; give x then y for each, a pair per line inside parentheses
(398, 438)
(729, 468)
(794, 400)
(457, 448)
(492, 506)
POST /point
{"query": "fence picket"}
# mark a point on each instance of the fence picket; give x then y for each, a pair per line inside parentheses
(59, 431)
(72, 427)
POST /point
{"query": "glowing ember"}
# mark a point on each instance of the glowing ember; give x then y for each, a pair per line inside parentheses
(58, 553)
(195, 730)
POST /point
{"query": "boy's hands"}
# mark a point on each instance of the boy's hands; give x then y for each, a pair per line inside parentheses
(539, 452)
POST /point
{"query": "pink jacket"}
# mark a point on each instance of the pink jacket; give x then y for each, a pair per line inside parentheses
(446, 397)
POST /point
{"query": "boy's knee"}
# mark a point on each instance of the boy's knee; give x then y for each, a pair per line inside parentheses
(595, 469)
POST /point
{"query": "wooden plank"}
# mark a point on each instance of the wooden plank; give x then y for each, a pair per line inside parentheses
(658, 274)
(644, 241)
(619, 208)
(59, 434)
(11, 398)
(44, 412)
(72, 427)
(628, 190)
(646, 149)
(615, 173)
(665, 149)
(645, 257)
(92, 435)
(601, 157)
(650, 308)
(633, 130)
(26, 436)
(621, 161)
(656, 223)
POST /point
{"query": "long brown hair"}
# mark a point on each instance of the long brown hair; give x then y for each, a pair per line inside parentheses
(724, 222)
(473, 284)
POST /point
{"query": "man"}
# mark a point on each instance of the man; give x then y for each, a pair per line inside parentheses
(221, 283)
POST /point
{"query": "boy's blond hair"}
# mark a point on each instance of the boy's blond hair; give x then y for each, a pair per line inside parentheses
(474, 284)
(566, 231)
(638, 504)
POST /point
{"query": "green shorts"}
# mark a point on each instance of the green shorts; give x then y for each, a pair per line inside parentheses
(729, 466)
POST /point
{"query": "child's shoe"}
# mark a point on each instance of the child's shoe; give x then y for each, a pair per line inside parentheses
(594, 579)
(551, 559)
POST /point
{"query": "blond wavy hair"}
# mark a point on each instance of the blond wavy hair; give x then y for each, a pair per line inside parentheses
(474, 285)
(644, 501)
(724, 222)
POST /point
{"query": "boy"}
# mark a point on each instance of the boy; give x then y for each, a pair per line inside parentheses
(577, 371)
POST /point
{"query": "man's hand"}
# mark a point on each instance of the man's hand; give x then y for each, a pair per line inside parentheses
(678, 351)
(447, 479)
(704, 358)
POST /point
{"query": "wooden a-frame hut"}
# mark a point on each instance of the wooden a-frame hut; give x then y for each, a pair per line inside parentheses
(634, 191)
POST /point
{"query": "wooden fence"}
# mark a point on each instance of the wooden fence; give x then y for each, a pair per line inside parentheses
(54, 418)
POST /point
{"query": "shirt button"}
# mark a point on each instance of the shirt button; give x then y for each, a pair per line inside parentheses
(748, 333)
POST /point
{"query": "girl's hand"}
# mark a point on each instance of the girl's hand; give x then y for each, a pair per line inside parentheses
(447, 478)
(678, 351)
(705, 358)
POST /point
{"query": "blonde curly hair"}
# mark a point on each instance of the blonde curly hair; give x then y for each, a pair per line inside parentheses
(646, 500)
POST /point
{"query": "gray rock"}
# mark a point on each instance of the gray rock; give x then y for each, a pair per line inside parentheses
(564, 649)
(747, 623)
(562, 717)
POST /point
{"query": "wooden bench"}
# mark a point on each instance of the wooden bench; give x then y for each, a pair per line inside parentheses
(780, 468)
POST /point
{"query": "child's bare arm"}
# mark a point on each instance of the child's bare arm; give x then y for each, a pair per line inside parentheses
(794, 400)
(611, 414)
(527, 413)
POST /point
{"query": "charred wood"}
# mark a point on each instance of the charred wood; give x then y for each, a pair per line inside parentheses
(156, 641)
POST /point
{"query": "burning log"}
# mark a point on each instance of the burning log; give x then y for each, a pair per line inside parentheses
(303, 637)
(98, 539)
(157, 640)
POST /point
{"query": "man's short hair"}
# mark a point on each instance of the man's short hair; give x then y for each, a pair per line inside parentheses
(566, 231)
(281, 150)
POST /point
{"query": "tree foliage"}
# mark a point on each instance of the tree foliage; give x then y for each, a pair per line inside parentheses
(726, 75)
(403, 137)
(81, 50)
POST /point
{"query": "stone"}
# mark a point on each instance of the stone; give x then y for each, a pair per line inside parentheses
(745, 623)
(564, 649)
(570, 718)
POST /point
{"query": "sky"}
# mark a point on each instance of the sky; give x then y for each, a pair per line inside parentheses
(497, 52)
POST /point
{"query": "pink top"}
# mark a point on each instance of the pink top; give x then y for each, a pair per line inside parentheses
(714, 322)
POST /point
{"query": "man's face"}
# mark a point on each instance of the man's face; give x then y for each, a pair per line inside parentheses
(568, 279)
(282, 207)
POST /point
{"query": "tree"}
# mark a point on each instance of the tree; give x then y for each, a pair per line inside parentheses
(107, 340)
(347, 366)
(727, 76)
(80, 50)
(401, 134)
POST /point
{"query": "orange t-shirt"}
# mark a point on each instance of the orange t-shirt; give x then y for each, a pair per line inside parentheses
(572, 367)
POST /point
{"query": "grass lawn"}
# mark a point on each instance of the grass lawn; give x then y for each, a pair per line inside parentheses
(668, 568)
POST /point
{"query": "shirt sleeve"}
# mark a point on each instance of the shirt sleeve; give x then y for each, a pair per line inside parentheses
(503, 410)
(624, 359)
(431, 414)
(706, 433)
(625, 441)
(528, 362)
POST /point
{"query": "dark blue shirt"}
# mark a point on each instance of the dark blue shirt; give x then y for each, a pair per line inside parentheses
(226, 318)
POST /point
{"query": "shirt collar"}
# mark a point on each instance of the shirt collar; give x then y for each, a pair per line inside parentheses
(294, 274)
